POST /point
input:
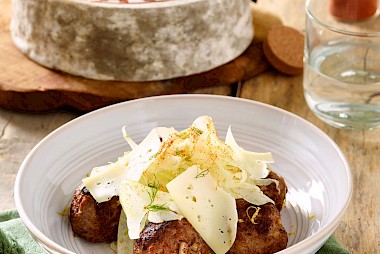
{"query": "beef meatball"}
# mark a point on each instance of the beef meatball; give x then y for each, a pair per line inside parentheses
(176, 236)
(276, 193)
(260, 234)
(96, 222)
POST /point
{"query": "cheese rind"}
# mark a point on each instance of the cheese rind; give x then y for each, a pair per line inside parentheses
(132, 42)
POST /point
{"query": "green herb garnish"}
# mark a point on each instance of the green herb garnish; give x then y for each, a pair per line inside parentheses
(152, 196)
(198, 131)
(156, 208)
(202, 173)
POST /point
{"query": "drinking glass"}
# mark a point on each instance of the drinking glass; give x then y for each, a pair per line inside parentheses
(342, 62)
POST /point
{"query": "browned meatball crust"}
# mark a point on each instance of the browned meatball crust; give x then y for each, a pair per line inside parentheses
(263, 234)
(96, 222)
(278, 195)
(176, 236)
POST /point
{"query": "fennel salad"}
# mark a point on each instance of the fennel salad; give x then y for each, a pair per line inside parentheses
(189, 174)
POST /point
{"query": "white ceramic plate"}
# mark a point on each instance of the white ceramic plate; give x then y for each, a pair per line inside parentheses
(315, 170)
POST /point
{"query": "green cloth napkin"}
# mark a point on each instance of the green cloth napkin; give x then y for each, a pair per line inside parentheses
(332, 246)
(16, 239)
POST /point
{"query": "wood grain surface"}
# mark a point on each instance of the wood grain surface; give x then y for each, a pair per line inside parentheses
(359, 228)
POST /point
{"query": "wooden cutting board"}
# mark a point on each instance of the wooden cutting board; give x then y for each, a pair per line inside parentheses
(28, 86)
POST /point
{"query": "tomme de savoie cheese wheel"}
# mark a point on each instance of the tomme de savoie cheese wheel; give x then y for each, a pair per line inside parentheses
(117, 40)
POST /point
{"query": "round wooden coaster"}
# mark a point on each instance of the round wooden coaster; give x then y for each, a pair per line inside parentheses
(284, 47)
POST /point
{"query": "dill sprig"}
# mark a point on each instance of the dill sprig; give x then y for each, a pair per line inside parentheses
(198, 131)
(202, 173)
(152, 196)
(183, 135)
(154, 189)
(156, 208)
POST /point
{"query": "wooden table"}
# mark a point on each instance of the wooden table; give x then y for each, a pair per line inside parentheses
(359, 229)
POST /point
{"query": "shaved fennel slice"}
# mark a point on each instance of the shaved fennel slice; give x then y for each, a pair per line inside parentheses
(253, 195)
(267, 181)
(200, 145)
(141, 203)
(254, 163)
(197, 145)
(128, 138)
(124, 245)
(105, 183)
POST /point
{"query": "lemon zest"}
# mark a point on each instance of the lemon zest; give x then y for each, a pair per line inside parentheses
(254, 215)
